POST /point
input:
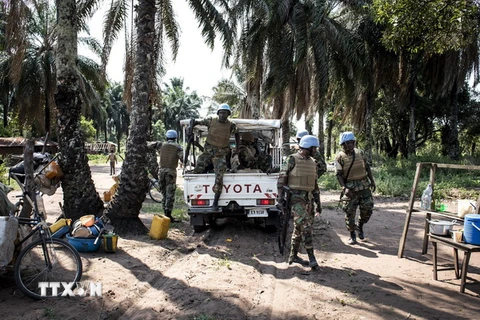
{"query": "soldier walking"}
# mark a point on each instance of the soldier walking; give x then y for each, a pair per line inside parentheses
(170, 152)
(356, 179)
(300, 174)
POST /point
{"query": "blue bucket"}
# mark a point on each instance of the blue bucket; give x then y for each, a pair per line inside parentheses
(471, 229)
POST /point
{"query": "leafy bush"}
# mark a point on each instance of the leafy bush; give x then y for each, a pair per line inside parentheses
(394, 178)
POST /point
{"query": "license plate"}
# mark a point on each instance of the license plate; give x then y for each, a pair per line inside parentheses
(257, 213)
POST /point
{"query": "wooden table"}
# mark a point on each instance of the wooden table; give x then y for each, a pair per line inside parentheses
(465, 247)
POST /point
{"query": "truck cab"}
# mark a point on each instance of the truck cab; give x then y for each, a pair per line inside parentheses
(247, 193)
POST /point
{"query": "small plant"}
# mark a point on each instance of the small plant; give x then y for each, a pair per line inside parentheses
(225, 262)
(203, 317)
(49, 313)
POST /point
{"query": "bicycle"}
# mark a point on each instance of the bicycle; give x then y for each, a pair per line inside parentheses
(45, 259)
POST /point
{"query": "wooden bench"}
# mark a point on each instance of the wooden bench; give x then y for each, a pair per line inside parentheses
(465, 247)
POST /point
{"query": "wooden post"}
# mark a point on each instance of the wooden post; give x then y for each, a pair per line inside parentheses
(401, 246)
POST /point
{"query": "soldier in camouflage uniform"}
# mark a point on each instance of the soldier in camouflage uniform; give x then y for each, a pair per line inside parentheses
(217, 147)
(321, 164)
(170, 152)
(247, 154)
(299, 173)
(355, 177)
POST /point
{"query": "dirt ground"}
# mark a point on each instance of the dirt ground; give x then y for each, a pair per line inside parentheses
(236, 272)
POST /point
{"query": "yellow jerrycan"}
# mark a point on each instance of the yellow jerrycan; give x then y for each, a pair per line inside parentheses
(159, 228)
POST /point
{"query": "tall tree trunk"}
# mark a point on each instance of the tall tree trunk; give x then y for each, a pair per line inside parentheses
(411, 144)
(125, 206)
(368, 125)
(79, 194)
(321, 130)
(252, 108)
(452, 139)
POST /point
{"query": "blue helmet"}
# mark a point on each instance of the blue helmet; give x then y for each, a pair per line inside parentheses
(226, 107)
(171, 134)
(301, 133)
(308, 141)
(346, 136)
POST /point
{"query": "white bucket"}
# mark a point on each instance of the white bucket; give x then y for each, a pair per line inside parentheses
(466, 206)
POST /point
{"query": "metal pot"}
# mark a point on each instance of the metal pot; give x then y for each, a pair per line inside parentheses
(441, 227)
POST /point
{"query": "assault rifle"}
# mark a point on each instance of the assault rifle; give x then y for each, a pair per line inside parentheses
(284, 218)
(190, 140)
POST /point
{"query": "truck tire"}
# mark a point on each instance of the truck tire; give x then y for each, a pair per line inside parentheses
(270, 228)
(198, 229)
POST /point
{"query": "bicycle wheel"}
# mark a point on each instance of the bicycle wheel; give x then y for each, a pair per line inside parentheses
(155, 192)
(52, 261)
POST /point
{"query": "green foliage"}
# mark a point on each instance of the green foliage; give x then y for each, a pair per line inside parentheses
(179, 207)
(159, 131)
(3, 173)
(426, 26)
(88, 130)
(328, 181)
(394, 178)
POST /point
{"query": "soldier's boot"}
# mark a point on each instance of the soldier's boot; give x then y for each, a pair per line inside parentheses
(295, 258)
(168, 213)
(215, 202)
(361, 235)
(312, 261)
(353, 238)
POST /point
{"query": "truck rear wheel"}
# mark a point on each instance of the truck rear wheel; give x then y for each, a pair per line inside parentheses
(198, 229)
(270, 228)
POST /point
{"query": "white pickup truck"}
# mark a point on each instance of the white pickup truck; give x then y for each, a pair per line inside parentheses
(247, 193)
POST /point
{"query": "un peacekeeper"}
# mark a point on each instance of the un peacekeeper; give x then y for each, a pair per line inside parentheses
(217, 147)
(300, 174)
(321, 164)
(247, 154)
(355, 177)
(170, 152)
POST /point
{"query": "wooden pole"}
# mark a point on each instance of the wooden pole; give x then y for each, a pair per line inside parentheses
(401, 246)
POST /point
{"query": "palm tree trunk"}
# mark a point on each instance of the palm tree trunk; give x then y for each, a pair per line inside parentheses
(368, 124)
(453, 144)
(79, 194)
(125, 206)
(321, 130)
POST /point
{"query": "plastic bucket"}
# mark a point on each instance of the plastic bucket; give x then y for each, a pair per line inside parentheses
(110, 242)
(159, 228)
(471, 229)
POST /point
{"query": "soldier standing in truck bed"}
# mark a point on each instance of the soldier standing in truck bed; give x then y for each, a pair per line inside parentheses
(217, 147)
(170, 152)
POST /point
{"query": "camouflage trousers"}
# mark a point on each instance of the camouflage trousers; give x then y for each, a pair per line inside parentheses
(167, 179)
(303, 218)
(364, 201)
(218, 158)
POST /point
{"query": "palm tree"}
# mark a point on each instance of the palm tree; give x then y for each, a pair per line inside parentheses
(27, 67)
(289, 48)
(126, 205)
(80, 196)
(118, 116)
(227, 91)
(178, 104)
